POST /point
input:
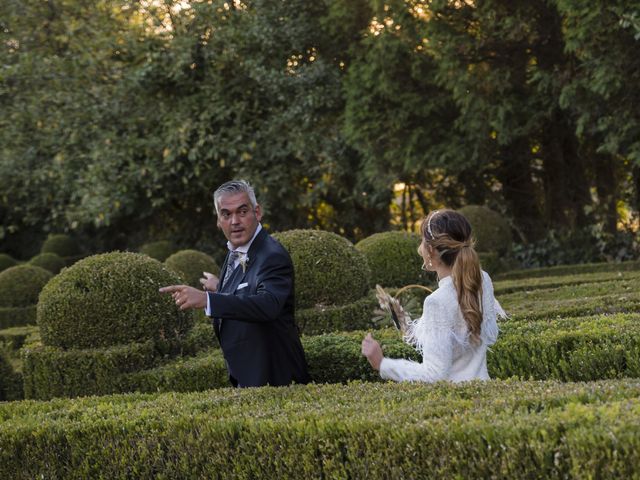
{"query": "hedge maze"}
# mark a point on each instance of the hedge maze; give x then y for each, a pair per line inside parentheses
(563, 402)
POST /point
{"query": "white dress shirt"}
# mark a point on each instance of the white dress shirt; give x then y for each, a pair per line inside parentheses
(242, 251)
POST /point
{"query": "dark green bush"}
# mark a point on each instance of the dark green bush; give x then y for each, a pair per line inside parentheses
(353, 316)
(328, 268)
(490, 429)
(393, 258)
(7, 261)
(111, 299)
(10, 380)
(49, 261)
(61, 244)
(190, 264)
(17, 316)
(52, 372)
(185, 374)
(489, 228)
(570, 270)
(21, 285)
(159, 250)
(13, 338)
(574, 299)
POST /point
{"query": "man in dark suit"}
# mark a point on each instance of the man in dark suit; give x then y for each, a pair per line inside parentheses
(253, 305)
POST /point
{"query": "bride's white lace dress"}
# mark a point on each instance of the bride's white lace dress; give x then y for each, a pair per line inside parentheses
(442, 337)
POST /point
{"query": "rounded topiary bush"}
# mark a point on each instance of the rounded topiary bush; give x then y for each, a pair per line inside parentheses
(190, 264)
(490, 229)
(110, 299)
(328, 268)
(393, 258)
(7, 261)
(21, 285)
(159, 250)
(61, 244)
(49, 261)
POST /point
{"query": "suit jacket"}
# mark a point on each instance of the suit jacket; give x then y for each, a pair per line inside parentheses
(254, 318)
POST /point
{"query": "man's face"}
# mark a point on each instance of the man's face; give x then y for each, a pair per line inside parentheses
(237, 218)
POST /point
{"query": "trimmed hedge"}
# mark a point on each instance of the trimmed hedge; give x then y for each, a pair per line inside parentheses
(7, 261)
(17, 316)
(49, 261)
(569, 270)
(328, 268)
(62, 245)
(489, 228)
(354, 316)
(528, 284)
(21, 285)
(15, 338)
(573, 300)
(111, 299)
(393, 258)
(585, 348)
(159, 250)
(52, 372)
(190, 264)
(10, 380)
(475, 430)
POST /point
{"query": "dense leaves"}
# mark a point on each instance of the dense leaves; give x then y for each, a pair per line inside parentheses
(120, 118)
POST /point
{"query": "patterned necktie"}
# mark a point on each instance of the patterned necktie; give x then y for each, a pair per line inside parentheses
(230, 267)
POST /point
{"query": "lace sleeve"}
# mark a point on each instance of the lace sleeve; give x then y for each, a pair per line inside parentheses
(431, 335)
(490, 310)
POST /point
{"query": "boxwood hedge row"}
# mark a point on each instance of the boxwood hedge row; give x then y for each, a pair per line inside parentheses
(569, 270)
(493, 429)
(585, 348)
(573, 300)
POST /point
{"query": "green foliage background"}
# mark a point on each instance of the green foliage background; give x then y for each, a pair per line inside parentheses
(119, 118)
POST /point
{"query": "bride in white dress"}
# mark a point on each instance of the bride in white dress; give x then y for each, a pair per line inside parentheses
(458, 320)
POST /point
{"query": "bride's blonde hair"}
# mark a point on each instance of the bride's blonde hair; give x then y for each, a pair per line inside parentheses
(449, 233)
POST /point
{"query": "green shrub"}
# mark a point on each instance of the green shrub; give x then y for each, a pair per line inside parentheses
(362, 430)
(328, 268)
(7, 261)
(111, 299)
(13, 338)
(393, 258)
(17, 316)
(10, 380)
(613, 296)
(570, 270)
(49, 261)
(353, 316)
(61, 244)
(489, 228)
(190, 264)
(21, 285)
(159, 250)
(52, 372)
(549, 282)
(186, 374)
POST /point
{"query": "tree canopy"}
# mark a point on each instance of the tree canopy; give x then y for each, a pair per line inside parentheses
(120, 118)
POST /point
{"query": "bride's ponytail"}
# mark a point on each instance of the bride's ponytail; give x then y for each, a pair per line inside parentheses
(449, 232)
(467, 279)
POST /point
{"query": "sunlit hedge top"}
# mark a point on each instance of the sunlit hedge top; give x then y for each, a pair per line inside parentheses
(6, 261)
(489, 228)
(21, 285)
(393, 258)
(110, 299)
(49, 261)
(61, 244)
(159, 250)
(328, 268)
(190, 264)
